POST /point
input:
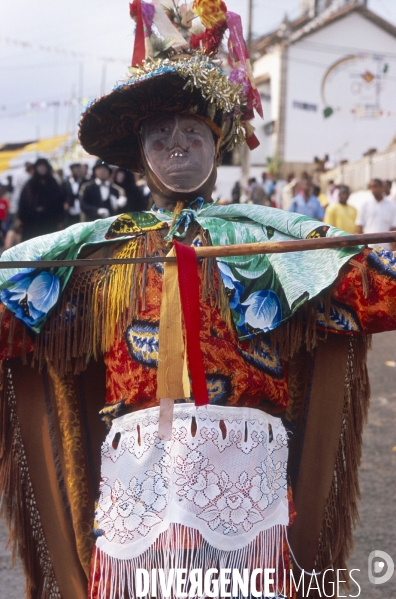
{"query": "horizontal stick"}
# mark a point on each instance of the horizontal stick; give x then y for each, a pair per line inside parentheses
(246, 249)
(298, 245)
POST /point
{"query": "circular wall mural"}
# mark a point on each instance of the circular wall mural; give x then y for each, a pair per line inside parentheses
(360, 84)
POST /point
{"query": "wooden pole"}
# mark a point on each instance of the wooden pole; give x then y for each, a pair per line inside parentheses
(246, 249)
(300, 245)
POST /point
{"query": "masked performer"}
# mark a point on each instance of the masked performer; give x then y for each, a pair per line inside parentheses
(270, 348)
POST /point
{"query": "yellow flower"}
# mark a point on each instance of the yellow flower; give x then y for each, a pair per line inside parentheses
(211, 12)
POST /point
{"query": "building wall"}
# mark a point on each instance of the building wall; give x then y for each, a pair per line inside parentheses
(364, 110)
(268, 66)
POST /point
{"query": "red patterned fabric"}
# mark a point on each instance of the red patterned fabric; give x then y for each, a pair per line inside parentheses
(235, 375)
(370, 292)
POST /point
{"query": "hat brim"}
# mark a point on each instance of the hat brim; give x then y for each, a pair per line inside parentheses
(109, 127)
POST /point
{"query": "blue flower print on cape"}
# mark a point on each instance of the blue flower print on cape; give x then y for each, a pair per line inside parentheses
(384, 261)
(31, 295)
(263, 311)
(233, 287)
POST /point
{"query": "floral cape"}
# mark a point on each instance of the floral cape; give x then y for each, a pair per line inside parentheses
(264, 290)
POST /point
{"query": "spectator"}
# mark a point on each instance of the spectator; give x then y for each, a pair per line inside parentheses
(99, 198)
(392, 195)
(341, 215)
(4, 205)
(84, 172)
(387, 188)
(306, 203)
(329, 163)
(289, 191)
(135, 200)
(322, 197)
(13, 237)
(256, 193)
(41, 204)
(268, 184)
(10, 185)
(236, 193)
(70, 189)
(145, 191)
(377, 214)
(59, 175)
(332, 193)
(19, 185)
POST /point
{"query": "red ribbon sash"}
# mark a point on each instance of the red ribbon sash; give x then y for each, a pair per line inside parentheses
(189, 296)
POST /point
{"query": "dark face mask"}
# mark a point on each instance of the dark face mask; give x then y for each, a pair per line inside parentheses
(180, 151)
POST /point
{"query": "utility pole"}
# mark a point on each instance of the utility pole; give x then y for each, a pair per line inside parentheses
(56, 118)
(103, 81)
(245, 152)
(250, 25)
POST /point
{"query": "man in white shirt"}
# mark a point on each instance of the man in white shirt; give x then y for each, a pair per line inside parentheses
(377, 214)
(288, 191)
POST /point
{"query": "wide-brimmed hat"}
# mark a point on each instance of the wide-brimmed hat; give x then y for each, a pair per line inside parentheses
(110, 126)
(178, 80)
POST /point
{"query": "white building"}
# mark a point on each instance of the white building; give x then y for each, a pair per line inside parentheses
(328, 84)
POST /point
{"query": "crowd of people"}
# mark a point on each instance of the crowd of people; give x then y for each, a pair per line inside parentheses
(42, 200)
(303, 195)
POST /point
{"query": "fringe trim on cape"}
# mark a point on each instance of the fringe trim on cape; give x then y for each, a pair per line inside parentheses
(182, 547)
(341, 511)
(95, 309)
(18, 505)
(301, 330)
(98, 305)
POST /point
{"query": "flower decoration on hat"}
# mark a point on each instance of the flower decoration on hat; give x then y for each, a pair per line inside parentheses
(211, 12)
(179, 31)
(176, 68)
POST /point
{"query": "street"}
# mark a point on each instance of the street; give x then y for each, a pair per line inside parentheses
(377, 479)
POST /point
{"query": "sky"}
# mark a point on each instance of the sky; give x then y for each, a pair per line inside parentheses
(57, 52)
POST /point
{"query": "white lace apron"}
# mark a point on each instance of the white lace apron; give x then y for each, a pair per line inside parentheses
(219, 485)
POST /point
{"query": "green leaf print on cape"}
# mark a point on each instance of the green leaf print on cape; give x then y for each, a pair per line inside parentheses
(263, 290)
(266, 290)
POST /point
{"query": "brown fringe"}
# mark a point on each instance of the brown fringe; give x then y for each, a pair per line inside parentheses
(341, 512)
(75, 465)
(104, 300)
(301, 330)
(18, 504)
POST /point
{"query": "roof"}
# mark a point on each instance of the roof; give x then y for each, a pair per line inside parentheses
(276, 37)
(304, 26)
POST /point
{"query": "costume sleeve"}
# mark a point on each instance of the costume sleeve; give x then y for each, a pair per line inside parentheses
(363, 299)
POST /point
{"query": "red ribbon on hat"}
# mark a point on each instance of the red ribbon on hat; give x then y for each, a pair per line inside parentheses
(238, 57)
(189, 296)
(139, 50)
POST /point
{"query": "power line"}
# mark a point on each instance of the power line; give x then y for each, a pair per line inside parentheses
(40, 66)
(336, 49)
(55, 50)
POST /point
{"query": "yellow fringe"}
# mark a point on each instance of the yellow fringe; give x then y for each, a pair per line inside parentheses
(114, 299)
